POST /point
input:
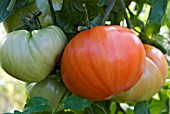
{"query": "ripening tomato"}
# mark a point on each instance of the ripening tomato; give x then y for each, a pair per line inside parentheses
(31, 56)
(103, 61)
(153, 78)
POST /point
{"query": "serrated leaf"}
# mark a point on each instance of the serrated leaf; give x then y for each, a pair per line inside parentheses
(36, 104)
(76, 102)
(141, 108)
(155, 18)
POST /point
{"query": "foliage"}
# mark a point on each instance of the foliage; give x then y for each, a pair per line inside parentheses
(149, 19)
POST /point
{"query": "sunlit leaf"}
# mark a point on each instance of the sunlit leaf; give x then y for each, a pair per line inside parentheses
(155, 18)
(36, 104)
(57, 4)
(43, 6)
(76, 102)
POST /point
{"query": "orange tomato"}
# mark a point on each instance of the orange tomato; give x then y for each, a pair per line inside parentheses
(102, 61)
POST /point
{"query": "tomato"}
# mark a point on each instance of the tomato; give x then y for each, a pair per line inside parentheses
(102, 61)
(15, 20)
(153, 78)
(50, 88)
(31, 56)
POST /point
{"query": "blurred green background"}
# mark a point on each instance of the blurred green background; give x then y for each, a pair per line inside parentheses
(12, 91)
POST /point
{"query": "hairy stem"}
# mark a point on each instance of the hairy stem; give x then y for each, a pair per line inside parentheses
(86, 14)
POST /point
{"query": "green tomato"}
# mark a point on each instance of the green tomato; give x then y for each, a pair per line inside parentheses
(31, 56)
(50, 88)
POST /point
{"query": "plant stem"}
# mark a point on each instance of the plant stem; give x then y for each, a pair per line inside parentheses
(108, 11)
(129, 25)
(32, 19)
(86, 14)
(53, 12)
(101, 108)
(56, 107)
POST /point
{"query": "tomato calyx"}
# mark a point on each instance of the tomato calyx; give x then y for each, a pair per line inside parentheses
(32, 23)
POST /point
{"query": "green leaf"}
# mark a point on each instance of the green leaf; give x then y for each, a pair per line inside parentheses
(101, 107)
(102, 3)
(167, 16)
(43, 6)
(17, 112)
(24, 3)
(141, 108)
(76, 102)
(156, 107)
(73, 14)
(6, 9)
(57, 4)
(155, 18)
(36, 104)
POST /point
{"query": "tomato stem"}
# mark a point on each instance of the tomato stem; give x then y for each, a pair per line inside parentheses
(108, 11)
(29, 22)
(53, 12)
(86, 13)
(129, 25)
(103, 110)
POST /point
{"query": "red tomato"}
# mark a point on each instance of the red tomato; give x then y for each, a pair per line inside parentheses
(102, 61)
(155, 73)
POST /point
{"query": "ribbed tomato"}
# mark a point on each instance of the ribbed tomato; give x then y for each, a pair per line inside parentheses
(103, 61)
(31, 56)
(153, 78)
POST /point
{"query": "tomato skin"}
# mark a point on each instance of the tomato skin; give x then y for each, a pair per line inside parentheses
(15, 19)
(153, 78)
(102, 61)
(31, 56)
(51, 89)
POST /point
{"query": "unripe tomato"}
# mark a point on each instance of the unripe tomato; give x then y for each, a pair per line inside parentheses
(31, 56)
(153, 78)
(103, 61)
(15, 19)
(50, 88)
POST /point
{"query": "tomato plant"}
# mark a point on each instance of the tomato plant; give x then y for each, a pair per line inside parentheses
(104, 63)
(31, 56)
(153, 78)
(50, 88)
(102, 59)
